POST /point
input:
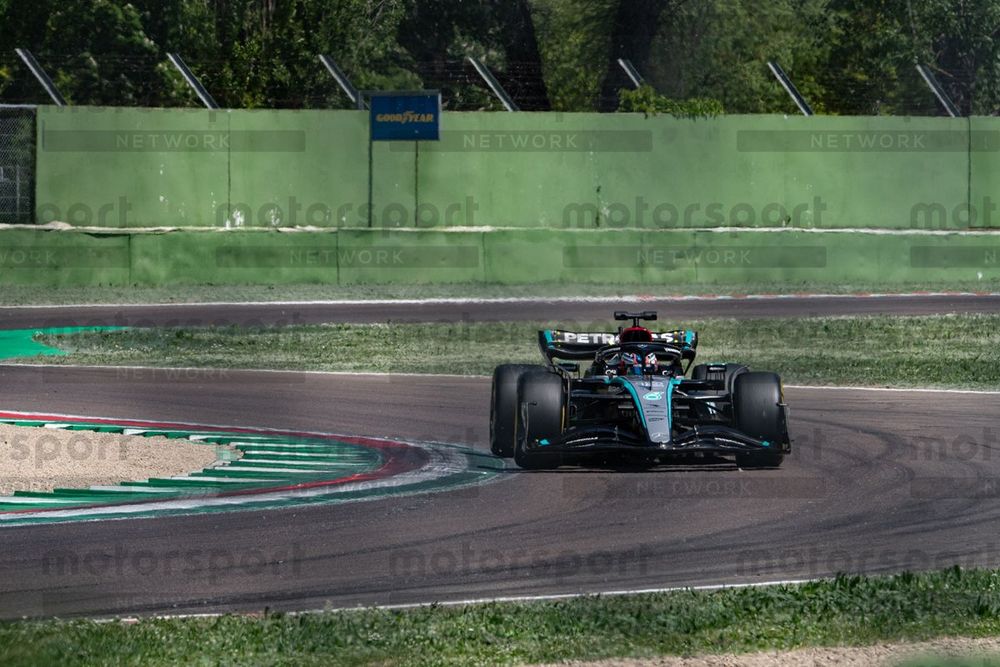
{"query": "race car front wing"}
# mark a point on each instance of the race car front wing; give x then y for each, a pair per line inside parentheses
(704, 438)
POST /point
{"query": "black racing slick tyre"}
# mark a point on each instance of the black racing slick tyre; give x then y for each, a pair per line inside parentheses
(541, 414)
(503, 407)
(758, 409)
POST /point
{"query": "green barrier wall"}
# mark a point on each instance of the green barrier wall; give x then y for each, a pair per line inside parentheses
(51, 258)
(259, 169)
(57, 259)
(983, 210)
(386, 256)
(297, 169)
(260, 258)
(627, 171)
(115, 167)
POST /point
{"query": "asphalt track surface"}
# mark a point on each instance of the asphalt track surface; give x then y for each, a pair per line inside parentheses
(879, 482)
(672, 310)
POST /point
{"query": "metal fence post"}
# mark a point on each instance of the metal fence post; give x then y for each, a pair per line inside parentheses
(790, 88)
(631, 72)
(200, 90)
(345, 84)
(42, 77)
(938, 91)
(494, 85)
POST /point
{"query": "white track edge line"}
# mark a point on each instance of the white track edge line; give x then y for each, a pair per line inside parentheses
(517, 300)
(903, 390)
(488, 600)
(221, 371)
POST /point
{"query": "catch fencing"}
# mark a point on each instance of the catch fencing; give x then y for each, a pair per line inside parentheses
(17, 164)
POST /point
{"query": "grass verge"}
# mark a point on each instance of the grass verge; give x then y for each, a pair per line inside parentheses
(16, 295)
(850, 610)
(940, 350)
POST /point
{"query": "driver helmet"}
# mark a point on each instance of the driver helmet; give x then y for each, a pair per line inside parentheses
(631, 364)
(652, 364)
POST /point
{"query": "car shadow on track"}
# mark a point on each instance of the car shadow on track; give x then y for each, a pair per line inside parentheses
(690, 464)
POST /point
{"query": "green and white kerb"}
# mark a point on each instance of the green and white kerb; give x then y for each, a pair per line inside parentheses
(276, 469)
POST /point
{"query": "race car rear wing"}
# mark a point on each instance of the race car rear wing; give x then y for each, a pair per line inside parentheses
(556, 344)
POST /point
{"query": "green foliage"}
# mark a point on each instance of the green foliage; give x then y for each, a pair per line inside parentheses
(574, 41)
(845, 56)
(252, 54)
(93, 30)
(851, 610)
(20, 295)
(719, 49)
(877, 45)
(959, 41)
(648, 101)
(874, 351)
(438, 35)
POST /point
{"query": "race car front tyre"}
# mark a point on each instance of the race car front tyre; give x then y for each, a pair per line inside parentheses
(503, 407)
(540, 415)
(759, 412)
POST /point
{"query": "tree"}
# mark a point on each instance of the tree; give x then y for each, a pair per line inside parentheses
(846, 56)
(263, 53)
(877, 47)
(873, 60)
(719, 49)
(633, 28)
(961, 41)
(22, 24)
(523, 80)
(440, 34)
(574, 49)
(181, 26)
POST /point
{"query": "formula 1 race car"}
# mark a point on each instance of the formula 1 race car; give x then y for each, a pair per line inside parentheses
(634, 402)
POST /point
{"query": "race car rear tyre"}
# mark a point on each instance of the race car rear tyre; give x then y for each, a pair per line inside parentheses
(758, 412)
(503, 407)
(540, 415)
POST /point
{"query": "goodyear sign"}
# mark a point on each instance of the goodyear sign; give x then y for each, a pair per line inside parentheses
(411, 116)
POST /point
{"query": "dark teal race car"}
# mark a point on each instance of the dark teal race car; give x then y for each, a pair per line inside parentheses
(635, 402)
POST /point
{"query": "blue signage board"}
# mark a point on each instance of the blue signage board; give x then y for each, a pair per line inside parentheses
(405, 116)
